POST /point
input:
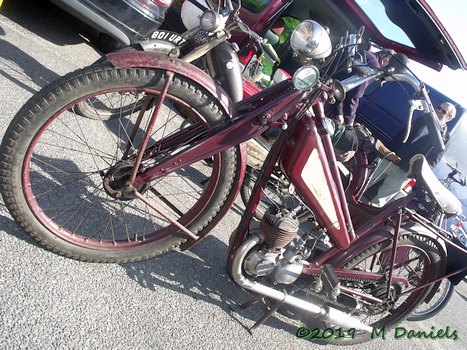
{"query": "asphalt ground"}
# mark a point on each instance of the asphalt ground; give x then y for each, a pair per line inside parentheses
(177, 300)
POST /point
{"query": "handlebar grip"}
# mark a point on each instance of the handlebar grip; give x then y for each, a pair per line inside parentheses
(432, 123)
(271, 52)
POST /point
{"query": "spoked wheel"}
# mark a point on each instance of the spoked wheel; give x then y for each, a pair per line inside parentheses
(112, 104)
(64, 176)
(417, 261)
(433, 306)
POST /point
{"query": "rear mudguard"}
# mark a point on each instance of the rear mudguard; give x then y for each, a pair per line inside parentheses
(420, 230)
(377, 236)
(141, 59)
(384, 233)
(456, 261)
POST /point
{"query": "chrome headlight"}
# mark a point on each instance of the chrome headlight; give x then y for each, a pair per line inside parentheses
(210, 21)
(311, 40)
(305, 78)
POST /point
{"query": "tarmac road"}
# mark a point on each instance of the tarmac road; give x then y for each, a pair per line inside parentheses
(178, 300)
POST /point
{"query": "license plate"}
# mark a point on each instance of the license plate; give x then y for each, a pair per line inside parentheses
(171, 37)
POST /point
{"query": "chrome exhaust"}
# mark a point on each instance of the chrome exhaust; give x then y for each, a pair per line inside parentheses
(325, 313)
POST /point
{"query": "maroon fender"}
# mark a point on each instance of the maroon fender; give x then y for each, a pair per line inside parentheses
(356, 247)
(141, 59)
(380, 234)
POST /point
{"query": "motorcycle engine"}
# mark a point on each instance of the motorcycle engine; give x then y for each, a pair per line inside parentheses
(283, 252)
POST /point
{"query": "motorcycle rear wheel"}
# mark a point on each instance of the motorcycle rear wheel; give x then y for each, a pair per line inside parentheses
(432, 307)
(419, 260)
(54, 162)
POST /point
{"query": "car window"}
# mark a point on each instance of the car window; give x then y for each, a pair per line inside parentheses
(376, 13)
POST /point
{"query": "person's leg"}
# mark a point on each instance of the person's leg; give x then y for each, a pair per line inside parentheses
(394, 181)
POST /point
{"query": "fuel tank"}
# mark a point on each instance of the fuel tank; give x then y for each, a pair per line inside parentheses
(305, 163)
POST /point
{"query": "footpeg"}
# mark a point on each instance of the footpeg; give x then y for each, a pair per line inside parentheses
(328, 283)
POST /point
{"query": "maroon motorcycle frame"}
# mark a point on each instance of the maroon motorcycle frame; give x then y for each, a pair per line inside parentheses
(303, 134)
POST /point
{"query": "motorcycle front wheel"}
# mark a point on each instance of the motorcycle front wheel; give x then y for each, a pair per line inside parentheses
(55, 164)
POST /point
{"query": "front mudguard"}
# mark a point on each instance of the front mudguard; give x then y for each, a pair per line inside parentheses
(154, 60)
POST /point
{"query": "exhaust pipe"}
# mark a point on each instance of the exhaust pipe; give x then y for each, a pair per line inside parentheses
(325, 313)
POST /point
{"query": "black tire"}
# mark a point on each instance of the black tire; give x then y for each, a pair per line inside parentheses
(432, 307)
(273, 194)
(48, 166)
(388, 318)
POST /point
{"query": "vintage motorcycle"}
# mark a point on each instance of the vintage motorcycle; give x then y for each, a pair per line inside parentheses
(360, 173)
(163, 174)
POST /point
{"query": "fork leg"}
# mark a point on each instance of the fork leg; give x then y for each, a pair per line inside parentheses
(168, 80)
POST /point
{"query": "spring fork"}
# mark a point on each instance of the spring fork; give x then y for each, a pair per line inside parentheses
(168, 80)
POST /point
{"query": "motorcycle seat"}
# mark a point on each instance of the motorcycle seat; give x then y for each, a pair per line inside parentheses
(421, 171)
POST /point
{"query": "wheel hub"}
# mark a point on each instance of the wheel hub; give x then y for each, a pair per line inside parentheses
(116, 183)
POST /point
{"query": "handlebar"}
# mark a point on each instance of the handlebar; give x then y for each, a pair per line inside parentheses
(422, 104)
(397, 72)
(461, 180)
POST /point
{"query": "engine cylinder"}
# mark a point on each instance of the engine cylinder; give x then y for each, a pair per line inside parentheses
(278, 227)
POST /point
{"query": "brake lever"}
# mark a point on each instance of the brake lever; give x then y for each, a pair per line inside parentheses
(258, 39)
(413, 105)
(269, 50)
(230, 5)
(461, 180)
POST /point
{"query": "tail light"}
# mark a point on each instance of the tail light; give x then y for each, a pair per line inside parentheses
(409, 185)
(456, 227)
